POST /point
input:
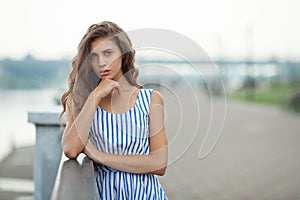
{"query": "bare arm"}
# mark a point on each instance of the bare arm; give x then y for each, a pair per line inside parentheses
(155, 162)
(77, 130)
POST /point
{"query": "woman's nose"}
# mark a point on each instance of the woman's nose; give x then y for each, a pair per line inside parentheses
(102, 61)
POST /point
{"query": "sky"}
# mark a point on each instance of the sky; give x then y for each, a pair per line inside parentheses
(258, 29)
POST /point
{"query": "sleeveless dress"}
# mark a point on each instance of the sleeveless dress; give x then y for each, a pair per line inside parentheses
(125, 134)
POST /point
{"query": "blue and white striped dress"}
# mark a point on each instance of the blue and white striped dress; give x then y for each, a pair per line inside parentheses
(125, 134)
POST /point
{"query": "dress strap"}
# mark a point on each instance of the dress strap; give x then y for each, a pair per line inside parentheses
(145, 99)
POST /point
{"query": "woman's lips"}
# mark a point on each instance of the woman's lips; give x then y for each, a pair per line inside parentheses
(104, 72)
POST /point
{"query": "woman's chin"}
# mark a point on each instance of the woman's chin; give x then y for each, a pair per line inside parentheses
(105, 77)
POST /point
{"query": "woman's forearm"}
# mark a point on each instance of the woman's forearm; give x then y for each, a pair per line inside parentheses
(77, 130)
(154, 163)
(76, 135)
(140, 164)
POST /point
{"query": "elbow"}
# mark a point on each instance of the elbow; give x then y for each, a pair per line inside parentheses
(161, 172)
(69, 149)
(71, 154)
(160, 168)
(160, 164)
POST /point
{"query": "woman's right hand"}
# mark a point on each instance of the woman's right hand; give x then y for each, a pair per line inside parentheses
(105, 87)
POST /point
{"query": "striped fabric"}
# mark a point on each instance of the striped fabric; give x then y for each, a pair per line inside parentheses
(126, 134)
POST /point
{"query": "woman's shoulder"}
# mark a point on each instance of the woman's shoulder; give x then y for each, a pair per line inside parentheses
(156, 97)
(151, 94)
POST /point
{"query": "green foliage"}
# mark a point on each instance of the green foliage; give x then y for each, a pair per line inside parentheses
(279, 94)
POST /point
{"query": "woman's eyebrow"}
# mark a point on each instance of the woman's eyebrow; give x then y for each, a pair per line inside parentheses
(109, 49)
(98, 50)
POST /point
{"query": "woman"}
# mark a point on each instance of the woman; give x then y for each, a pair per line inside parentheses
(112, 119)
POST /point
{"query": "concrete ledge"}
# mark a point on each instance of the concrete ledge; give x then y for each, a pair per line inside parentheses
(46, 117)
(48, 150)
(75, 179)
(56, 176)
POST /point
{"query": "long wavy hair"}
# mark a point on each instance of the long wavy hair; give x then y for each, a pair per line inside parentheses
(82, 80)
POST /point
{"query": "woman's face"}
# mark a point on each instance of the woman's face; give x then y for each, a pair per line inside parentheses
(107, 64)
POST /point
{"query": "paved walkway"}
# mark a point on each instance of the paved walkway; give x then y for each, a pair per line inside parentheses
(257, 156)
(16, 175)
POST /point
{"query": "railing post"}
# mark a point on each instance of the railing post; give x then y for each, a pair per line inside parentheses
(47, 153)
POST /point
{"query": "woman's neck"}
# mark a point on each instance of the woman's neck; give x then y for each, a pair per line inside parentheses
(125, 85)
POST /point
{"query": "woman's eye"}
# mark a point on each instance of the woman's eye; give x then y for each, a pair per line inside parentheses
(94, 56)
(107, 53)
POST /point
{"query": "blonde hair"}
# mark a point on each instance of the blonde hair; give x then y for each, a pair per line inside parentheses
(82, 80)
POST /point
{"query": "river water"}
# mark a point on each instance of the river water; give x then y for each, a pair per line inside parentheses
(15, 130)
